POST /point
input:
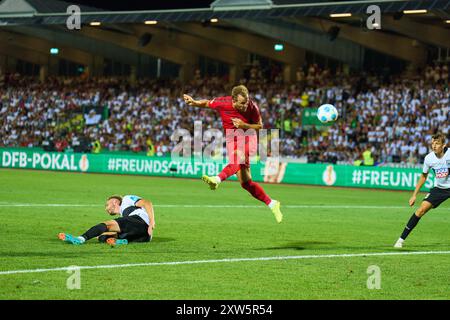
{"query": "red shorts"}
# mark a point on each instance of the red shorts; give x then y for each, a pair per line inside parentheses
(240, 150)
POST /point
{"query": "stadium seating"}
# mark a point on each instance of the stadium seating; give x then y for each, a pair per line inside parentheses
(394, 116)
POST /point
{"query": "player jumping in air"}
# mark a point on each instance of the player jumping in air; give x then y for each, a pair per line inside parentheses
(439, 161)
(238, 111)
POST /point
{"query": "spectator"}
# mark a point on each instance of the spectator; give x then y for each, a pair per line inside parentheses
(92, 118)
(395, 114)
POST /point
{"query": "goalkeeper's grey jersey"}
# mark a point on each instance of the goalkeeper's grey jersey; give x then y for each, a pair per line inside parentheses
(441, 168)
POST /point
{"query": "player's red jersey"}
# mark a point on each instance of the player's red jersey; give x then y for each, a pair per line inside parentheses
(251, 116)
(225, 107)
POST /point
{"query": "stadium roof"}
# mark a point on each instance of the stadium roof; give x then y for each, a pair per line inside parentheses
(54, 11)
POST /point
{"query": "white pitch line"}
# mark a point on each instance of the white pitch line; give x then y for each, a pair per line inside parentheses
(48, 205)
(149, 264)
(208, 206)
(283, 206)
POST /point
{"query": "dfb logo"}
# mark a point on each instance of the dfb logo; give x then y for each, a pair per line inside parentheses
(74, 20)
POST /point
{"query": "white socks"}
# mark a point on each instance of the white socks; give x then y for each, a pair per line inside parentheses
(272, 204)
(217, 178)
(399, 243)
(83, 240)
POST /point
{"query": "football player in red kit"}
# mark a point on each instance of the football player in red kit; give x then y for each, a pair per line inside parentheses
(241, 119)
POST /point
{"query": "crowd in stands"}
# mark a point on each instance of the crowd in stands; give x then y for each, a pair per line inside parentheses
(393, 116)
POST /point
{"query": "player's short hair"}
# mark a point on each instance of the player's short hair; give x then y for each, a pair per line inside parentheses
(115, 197)
(240, 90)
(439, 136)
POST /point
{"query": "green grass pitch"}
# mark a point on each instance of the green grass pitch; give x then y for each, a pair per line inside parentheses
(196, 224)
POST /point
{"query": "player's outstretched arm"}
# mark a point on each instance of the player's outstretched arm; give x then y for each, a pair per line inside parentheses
(195, 103)
(148, 206)
(422, 180)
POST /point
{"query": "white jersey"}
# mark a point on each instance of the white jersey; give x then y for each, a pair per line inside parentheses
(441, 168)
(128, 208)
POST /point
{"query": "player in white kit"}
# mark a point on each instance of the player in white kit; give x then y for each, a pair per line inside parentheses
(136, 223)
(439, 162)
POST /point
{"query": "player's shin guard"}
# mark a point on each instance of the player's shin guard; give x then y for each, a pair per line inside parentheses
(229, 170)
(256, 191)
(410, 226)
(95, 231)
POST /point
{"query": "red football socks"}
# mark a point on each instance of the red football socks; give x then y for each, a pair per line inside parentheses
(256, 191)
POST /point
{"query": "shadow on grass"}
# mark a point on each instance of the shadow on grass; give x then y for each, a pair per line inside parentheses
(161, 239)
(53, 254)
(297, 245)
(62, 253)
(95, 241)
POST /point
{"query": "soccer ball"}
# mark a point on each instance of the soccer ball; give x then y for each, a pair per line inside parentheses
(327, 113)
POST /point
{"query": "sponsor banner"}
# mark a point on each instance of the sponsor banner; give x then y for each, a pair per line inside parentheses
(36, 159)
(268, 171)
(106, 163)
(158, 166)
(356, 176)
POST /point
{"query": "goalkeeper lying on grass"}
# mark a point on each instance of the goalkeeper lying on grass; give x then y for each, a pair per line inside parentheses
(136, 223)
